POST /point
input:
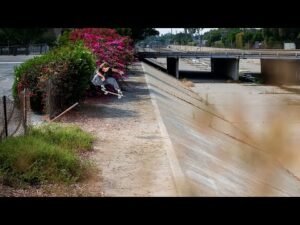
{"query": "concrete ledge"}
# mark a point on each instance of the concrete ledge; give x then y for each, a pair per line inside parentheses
(178, 175)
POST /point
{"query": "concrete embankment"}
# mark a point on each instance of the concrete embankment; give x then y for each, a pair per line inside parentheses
(215, 157)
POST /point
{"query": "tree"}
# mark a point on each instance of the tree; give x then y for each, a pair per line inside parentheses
(137, 34)
(212, 36)
(275, 37)
(25, 36)
(190, 30)
(182, 38)
(239, 40)
(228, 36)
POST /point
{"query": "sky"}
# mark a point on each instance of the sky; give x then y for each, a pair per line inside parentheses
(174, 30)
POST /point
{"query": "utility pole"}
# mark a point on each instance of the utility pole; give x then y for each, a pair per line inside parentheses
(198, 31)
(171, 36)
(200, 37)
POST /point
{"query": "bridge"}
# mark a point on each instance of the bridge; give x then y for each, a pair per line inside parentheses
(276, 65)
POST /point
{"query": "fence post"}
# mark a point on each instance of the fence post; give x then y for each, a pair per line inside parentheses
(49, 102)
(5, 115)
(25, 111)
(27, 50)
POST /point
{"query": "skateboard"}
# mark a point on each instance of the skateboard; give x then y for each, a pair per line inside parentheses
(113, 93)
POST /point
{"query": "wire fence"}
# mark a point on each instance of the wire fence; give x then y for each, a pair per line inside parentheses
(15, 117)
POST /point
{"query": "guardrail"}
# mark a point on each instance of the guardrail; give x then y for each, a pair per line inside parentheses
(155, 53)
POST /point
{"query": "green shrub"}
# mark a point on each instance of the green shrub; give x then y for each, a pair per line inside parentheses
(64, 39)
(192, 43)
(219, 44)
(69, 69)
(26, 75)
(48, 154)
(239, 39)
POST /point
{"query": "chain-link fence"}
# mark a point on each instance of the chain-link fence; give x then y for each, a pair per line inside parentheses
(14, 116)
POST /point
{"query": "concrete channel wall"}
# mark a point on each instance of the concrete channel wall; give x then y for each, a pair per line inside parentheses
(215, 157)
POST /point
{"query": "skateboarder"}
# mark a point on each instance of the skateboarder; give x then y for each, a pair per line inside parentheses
(103, 76)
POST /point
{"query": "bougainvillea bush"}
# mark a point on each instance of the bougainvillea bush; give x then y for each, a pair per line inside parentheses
(69, 68)
(107, 45)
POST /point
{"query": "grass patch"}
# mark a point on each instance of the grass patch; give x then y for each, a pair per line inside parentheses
(47, 154)
(66, 136)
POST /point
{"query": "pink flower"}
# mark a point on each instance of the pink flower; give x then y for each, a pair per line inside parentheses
(107, 45)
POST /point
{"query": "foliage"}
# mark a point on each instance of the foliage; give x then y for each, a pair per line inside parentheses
(64, 39)
(229, 37)
(239, 39)
(219, 44)
(137, 34)
(107, 45)
(69, 68)
(182, 38)
(275, 37)
(25, 36)
(47, 154)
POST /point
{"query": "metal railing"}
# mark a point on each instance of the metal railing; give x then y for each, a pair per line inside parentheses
(267, 54)
(34, 49)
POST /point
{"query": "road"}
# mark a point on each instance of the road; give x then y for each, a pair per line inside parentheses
(7, 65)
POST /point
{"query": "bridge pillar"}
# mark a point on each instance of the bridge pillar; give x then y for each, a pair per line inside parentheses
(280, 71)
(173, 66)
(221, 67)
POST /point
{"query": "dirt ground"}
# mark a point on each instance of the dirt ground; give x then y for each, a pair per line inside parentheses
(129, 149)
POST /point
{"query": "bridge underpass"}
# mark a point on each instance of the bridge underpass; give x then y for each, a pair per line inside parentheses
(225, 67)
(217, 68)
(173, 66)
